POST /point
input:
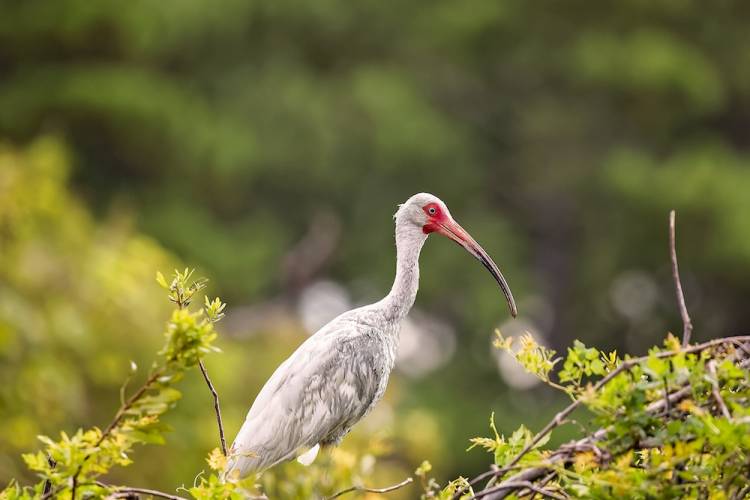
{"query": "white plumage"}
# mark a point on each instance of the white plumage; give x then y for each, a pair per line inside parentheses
(338, 374)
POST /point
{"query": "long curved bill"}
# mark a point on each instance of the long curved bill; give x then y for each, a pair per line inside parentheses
(455, 232)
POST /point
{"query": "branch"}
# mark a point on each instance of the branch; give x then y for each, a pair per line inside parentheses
(711, 366)
(47, 489)
(687, 325)
(518, 485)
(217, 409)
(127, 491)
(115, 422)
(403, 483)
(128, 404)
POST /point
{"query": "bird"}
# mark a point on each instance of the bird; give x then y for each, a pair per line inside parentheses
(338, 374)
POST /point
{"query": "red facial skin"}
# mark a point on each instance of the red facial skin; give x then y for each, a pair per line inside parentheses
(438, 221)
(435, 219)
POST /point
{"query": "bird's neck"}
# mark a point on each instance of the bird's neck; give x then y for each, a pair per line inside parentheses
(398, 302)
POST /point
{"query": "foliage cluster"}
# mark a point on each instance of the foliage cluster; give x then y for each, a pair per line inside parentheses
(73, 311)
(73, 464)
(671, 424)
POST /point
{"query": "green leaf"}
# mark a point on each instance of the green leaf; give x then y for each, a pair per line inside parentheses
(162, 282)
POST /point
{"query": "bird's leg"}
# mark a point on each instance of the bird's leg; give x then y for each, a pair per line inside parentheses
(326, 463)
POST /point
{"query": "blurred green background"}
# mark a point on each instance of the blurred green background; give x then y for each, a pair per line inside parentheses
(268, 143)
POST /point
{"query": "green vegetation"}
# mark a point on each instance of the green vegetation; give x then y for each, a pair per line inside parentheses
(671, 424)
(74, 464)
(74, 310)
(667, 425)
(267, 143)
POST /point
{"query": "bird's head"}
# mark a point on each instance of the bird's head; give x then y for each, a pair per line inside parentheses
(431, 215)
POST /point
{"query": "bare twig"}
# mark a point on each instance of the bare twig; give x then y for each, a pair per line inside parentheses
(403, 483)
(547, 479)
(75, 483)
(127, 491)
(52, 493)
(687, 325)
(128, 404)
(741, 493)
(518, 485)
(711, 366)
(744, 349)
(183, 302)
(492, 473)
(217, 409)
(46, 491)
(668, 400)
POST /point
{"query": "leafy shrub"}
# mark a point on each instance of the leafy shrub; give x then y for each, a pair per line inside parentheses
(671, 424)
(72, 465)
(73, 306)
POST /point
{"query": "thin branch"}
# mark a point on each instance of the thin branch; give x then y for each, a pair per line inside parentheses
(518, 485)
(493, 472)
(47, 490)
(711, 366)
(217, 409)
(115, 422)
(124, 385)
(741, 493)
(744, 349)
(126, 491)
(687, 325)
(128, 404)
(182, 301)
(547, 479)
(668, 400)
(53, 493)
(403, 483)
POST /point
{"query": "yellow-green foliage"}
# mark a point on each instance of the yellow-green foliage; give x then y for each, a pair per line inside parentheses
(76, 304)
(694, 447)
(73, 465)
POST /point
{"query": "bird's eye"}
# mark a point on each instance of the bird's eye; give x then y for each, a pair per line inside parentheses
(432, 210)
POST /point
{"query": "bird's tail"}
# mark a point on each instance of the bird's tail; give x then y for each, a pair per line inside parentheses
(239, 466)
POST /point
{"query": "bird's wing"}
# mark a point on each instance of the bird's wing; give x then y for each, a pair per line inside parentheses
(322, 385)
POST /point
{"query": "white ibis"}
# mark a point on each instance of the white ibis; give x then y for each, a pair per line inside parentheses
(338, 374)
